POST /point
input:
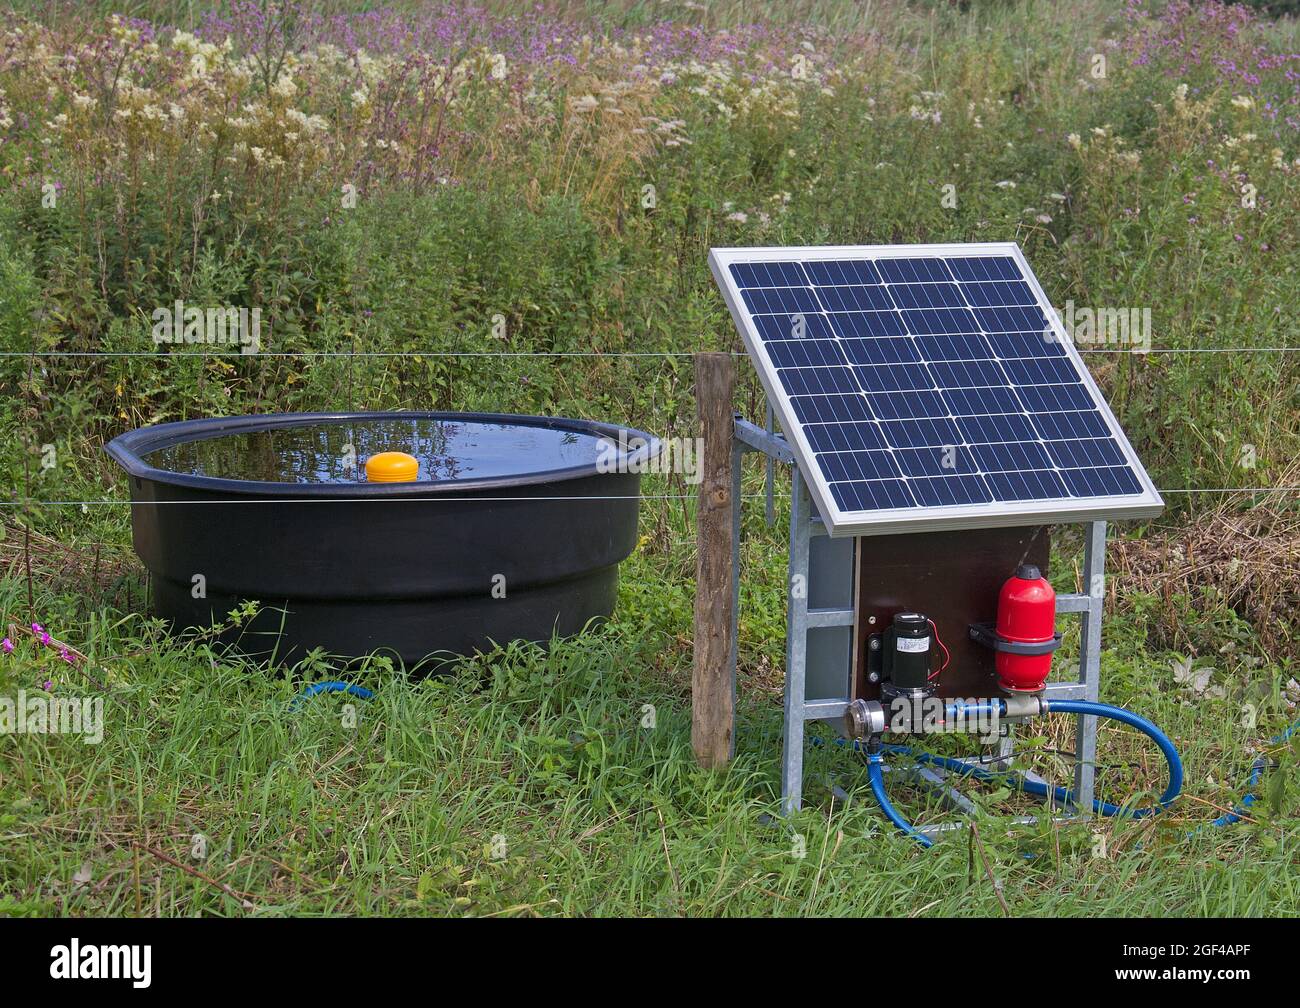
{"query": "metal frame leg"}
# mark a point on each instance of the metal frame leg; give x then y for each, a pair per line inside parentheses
(1085, 767)
(1006, 750)
(796, 646)
(769, 477)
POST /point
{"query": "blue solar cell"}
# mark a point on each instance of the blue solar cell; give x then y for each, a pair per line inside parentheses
(1070, 426)
(929, 381)
(1015, 319)
(809, 325)
(1100, 482)
(1087, 454)
(872, 495)
(773, 274)
(805, 353)
(996, 429)
(1041, 371)
(1029, 484)
(954, 348)
(967, 374)
(862, 465)
(880, 350)
(912, 405)
(1010, 456)
(816, 380)
(854, 324)
(912, 270)
(935, 321)
(780, 300)
(945, 460)
(1051, 398)
(984, 268)
(830, 409)
(834, 273)
(895, 378)
(827, 437)
(1029, 345)
(855, 298)
(979, 401)
(920, 433)
(944, 491)
(985, 295)
(933, 295)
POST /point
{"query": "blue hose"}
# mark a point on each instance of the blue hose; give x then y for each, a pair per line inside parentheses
(1256, 772)
(333, 686)
(1064, 795)
(1133, 721)
(1248, 799)
(874, 772)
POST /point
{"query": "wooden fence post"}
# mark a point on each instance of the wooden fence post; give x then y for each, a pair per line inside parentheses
(712, 696)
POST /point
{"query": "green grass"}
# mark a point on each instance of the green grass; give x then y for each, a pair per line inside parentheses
(528, 783)
(599, 815)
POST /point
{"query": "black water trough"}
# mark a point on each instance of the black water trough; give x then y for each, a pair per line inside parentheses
(512, 530)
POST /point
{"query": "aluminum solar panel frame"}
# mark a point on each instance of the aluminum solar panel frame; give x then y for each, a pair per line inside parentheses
(883, 354)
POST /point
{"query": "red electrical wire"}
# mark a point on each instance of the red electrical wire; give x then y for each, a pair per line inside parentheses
(947, 656)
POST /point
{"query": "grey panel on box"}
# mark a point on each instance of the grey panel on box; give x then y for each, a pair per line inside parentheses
(829, 663)
(830, 573)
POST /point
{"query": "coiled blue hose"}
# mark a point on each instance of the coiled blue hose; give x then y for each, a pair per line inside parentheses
(333, 686)
(1127, 717)
(875, 761)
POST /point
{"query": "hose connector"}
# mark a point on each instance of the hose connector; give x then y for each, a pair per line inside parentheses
(864, 719)
(1024, 705)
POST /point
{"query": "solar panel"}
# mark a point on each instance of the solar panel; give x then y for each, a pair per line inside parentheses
(927, 387)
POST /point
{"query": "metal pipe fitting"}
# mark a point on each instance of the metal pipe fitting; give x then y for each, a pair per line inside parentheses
(1024, 705)
(864, 719)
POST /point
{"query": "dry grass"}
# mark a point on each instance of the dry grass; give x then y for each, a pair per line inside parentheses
(1246, 560)
(103, 569)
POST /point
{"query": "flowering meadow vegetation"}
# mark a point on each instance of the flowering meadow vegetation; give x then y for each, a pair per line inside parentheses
(405, 193)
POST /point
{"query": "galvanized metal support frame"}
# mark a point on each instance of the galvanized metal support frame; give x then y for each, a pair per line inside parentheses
(805, 523)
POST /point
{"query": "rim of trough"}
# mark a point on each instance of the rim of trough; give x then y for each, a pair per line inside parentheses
(128, 450)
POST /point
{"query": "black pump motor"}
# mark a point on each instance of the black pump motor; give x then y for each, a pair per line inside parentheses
(906, 658)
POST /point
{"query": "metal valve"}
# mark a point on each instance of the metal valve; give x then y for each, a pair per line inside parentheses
(864, 719)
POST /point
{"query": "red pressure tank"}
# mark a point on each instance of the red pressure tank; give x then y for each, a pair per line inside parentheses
(1026, 615)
